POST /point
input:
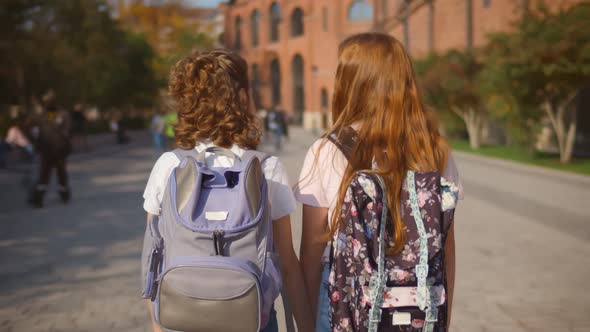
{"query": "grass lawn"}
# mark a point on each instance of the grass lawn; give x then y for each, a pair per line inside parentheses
(523, 155)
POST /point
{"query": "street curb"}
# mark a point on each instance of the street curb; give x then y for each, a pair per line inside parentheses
(574, 178)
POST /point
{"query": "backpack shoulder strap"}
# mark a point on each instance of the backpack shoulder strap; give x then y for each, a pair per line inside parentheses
(254, 178)
(378, 281)
(250, 154)
(345, 140)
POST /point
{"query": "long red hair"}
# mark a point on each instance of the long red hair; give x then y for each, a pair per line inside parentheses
(376, 92)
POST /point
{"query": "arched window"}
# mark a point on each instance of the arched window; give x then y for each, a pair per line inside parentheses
(275, 81)
(256, 85)
(275, 19)
(360, 10)
(324, 102)
(254, 20)
(238, 41)
(405, 8)
(297, 22)
(298, 84)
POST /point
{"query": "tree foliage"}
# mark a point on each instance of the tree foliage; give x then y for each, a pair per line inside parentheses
(170, 27)
(541, 65)
(451, 83)
(75, 48)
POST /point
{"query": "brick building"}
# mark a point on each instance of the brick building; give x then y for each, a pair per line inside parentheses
(291, 46)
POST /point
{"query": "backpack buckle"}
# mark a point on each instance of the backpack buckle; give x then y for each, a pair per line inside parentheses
(432, 315)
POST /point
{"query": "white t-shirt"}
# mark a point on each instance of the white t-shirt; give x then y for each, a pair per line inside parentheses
(318, 185)
(280, 194)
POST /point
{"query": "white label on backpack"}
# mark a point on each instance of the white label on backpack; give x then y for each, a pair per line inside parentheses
(216, 216)
(402, 318)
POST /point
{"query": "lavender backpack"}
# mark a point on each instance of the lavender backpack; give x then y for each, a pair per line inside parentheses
(208, 261)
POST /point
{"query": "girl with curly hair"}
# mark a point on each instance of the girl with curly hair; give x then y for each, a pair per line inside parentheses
(211, 95)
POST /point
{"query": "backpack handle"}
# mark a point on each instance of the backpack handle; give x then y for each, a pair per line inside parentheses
(223, 152)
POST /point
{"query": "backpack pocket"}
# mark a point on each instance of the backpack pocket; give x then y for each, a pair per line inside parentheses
(209, 294)
(151, 259)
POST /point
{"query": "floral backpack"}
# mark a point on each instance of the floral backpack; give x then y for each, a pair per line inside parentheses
(370, 291)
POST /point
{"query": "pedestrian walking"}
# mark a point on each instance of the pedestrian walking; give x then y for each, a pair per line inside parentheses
(277, 126)
(119, 128)
(221, 209)
(170, 122)
(157, 128)
(19, 144)
(374, 224)
(52, 139)
(79, 131)
(17, 138)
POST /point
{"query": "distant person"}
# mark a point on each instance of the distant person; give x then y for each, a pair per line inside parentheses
(17, 138)
(52, 139)
(79, 131)
(157, 128)
(262, 113)
(283, 120)
(234, 262)
(277, 126)
(118, 127)
(170, 121)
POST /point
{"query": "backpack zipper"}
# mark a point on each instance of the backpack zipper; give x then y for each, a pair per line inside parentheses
(218, 239)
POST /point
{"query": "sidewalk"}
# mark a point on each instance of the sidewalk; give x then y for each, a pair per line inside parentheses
(553, 198)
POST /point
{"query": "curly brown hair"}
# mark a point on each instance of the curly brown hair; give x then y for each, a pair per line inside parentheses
(211, 94)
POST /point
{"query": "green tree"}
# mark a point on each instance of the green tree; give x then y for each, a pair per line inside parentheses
(450, 83)
(75, 48)
(171, 29)
(542, 65)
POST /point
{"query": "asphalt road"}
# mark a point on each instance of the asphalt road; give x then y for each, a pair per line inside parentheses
(522, 246)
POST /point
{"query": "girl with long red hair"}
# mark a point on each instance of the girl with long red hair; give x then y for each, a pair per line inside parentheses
(375, 94)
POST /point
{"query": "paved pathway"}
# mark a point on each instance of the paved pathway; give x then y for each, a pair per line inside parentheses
(522, 247)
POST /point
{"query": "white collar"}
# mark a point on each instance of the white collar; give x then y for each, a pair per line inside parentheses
(202, 146)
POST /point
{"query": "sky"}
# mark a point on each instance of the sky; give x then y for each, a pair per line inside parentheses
(205, 3)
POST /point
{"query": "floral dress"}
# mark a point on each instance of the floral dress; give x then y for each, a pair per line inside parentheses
(355, 251)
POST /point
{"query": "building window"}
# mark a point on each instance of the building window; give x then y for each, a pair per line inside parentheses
(297, 23)
(275, 81)
(405, 9)
(275, 19)
(360, 11)
(238, 41)
(298, 85)
(254, 19)
(325, 18)
(431, 26)
(256, 86)
(324, 102)
(487, 3)
(469, 19)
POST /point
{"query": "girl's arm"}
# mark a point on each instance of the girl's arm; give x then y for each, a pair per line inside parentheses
(315, 226)
(292, 274)
(450, 268)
